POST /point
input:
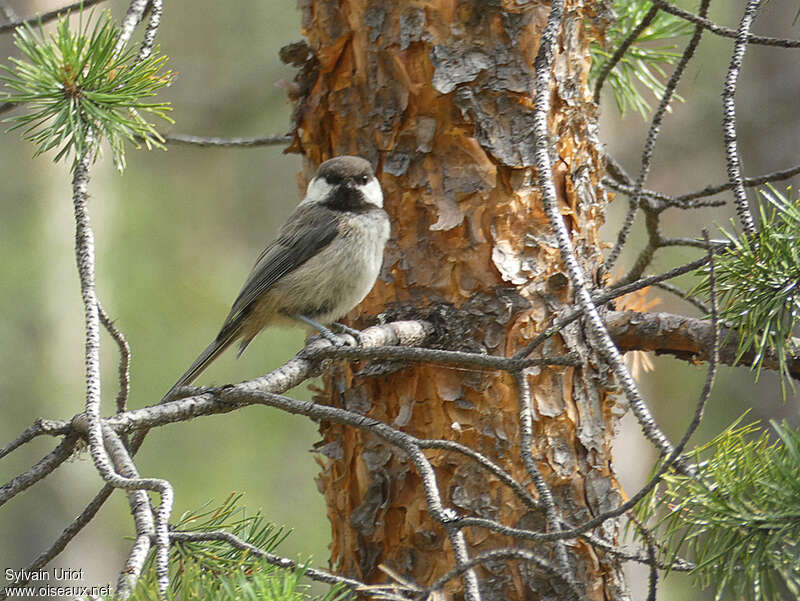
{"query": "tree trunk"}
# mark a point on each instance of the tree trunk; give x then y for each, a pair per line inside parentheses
(439, 95)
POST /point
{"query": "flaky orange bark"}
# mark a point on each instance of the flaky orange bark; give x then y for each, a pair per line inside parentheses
(439, 95)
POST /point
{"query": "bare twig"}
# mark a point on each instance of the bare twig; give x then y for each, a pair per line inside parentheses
(647, 156)
(48, 16)
(692, 300)
(151, 31)
(610, 331)
(487, 464)
(84, 252)
(287, 376)
(227, 142)
(38, 428)
(673, 458)
(749, 182)
(124, 370)
(40, 469)
(443, 357)
(545, 494)
(699, 198)
(250, 393)
(140, 509)
(725, 31)
(729, 119)
(570, 591)
(544, 59)
(604, 297)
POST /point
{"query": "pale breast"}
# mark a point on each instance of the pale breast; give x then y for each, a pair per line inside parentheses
(330, 284)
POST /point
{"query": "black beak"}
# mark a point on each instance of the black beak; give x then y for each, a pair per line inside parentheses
(349, 184)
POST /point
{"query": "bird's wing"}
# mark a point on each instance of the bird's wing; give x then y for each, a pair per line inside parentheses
(304, 235)
(307, 232)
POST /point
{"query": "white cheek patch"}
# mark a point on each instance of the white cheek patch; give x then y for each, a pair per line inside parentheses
(318, 190)
(372, 192)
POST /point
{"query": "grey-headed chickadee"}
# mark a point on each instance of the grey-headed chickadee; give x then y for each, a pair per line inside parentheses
(324, 261)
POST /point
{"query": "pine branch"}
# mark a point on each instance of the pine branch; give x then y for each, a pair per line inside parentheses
(740, 518)
(80, 89)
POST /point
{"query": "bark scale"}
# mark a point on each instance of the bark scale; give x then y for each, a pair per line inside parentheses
(439, 95)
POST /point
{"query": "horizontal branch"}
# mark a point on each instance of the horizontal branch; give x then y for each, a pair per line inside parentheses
(686, 338)
(203, 141)
(48, 16)
(726, 32)
(664, 333)
(445, 357)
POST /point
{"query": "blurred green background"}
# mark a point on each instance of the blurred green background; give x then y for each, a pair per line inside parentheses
(178, 232)
(176, 235)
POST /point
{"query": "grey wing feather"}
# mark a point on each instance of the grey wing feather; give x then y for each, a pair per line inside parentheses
(309, 230)
(303, 236)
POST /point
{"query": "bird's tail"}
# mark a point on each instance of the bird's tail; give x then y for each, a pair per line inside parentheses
(205, 359)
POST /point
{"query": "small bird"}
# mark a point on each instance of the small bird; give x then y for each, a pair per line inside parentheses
(324, 261)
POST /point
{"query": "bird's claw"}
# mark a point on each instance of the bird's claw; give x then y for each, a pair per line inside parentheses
(345, 329)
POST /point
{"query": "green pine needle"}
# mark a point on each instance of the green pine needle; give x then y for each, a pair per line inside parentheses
(642, 64)
(757, 283)
(80, 92)
(739, 518)
(215, 571)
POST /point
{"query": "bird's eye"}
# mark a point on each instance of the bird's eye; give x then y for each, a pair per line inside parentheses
(364, 179)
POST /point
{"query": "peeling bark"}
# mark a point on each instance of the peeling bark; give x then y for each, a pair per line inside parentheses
(439, 95)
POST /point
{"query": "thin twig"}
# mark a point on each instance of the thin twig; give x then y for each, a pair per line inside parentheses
(291, 374)
(227, 142)
(693, 300)
(725, 31)
(249, 393)
(487, 464)
(515, 554)
(39, 427)
(647, 157)
(130, 21)
(48, 16)
(142, 515)
(40, 469)
(729, 120)
(749, 182)
(542, 64)
(146, 49)
(85, 257)
(622, 49)
(545, 494)
(444, 357)
(673, 458)
(602, 298)
(124, 370)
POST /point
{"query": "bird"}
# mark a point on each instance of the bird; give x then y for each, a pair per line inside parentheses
(323, 262)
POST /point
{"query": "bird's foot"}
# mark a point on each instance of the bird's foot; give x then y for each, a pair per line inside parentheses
(334, 339)
(328, 334)
(345, 329)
